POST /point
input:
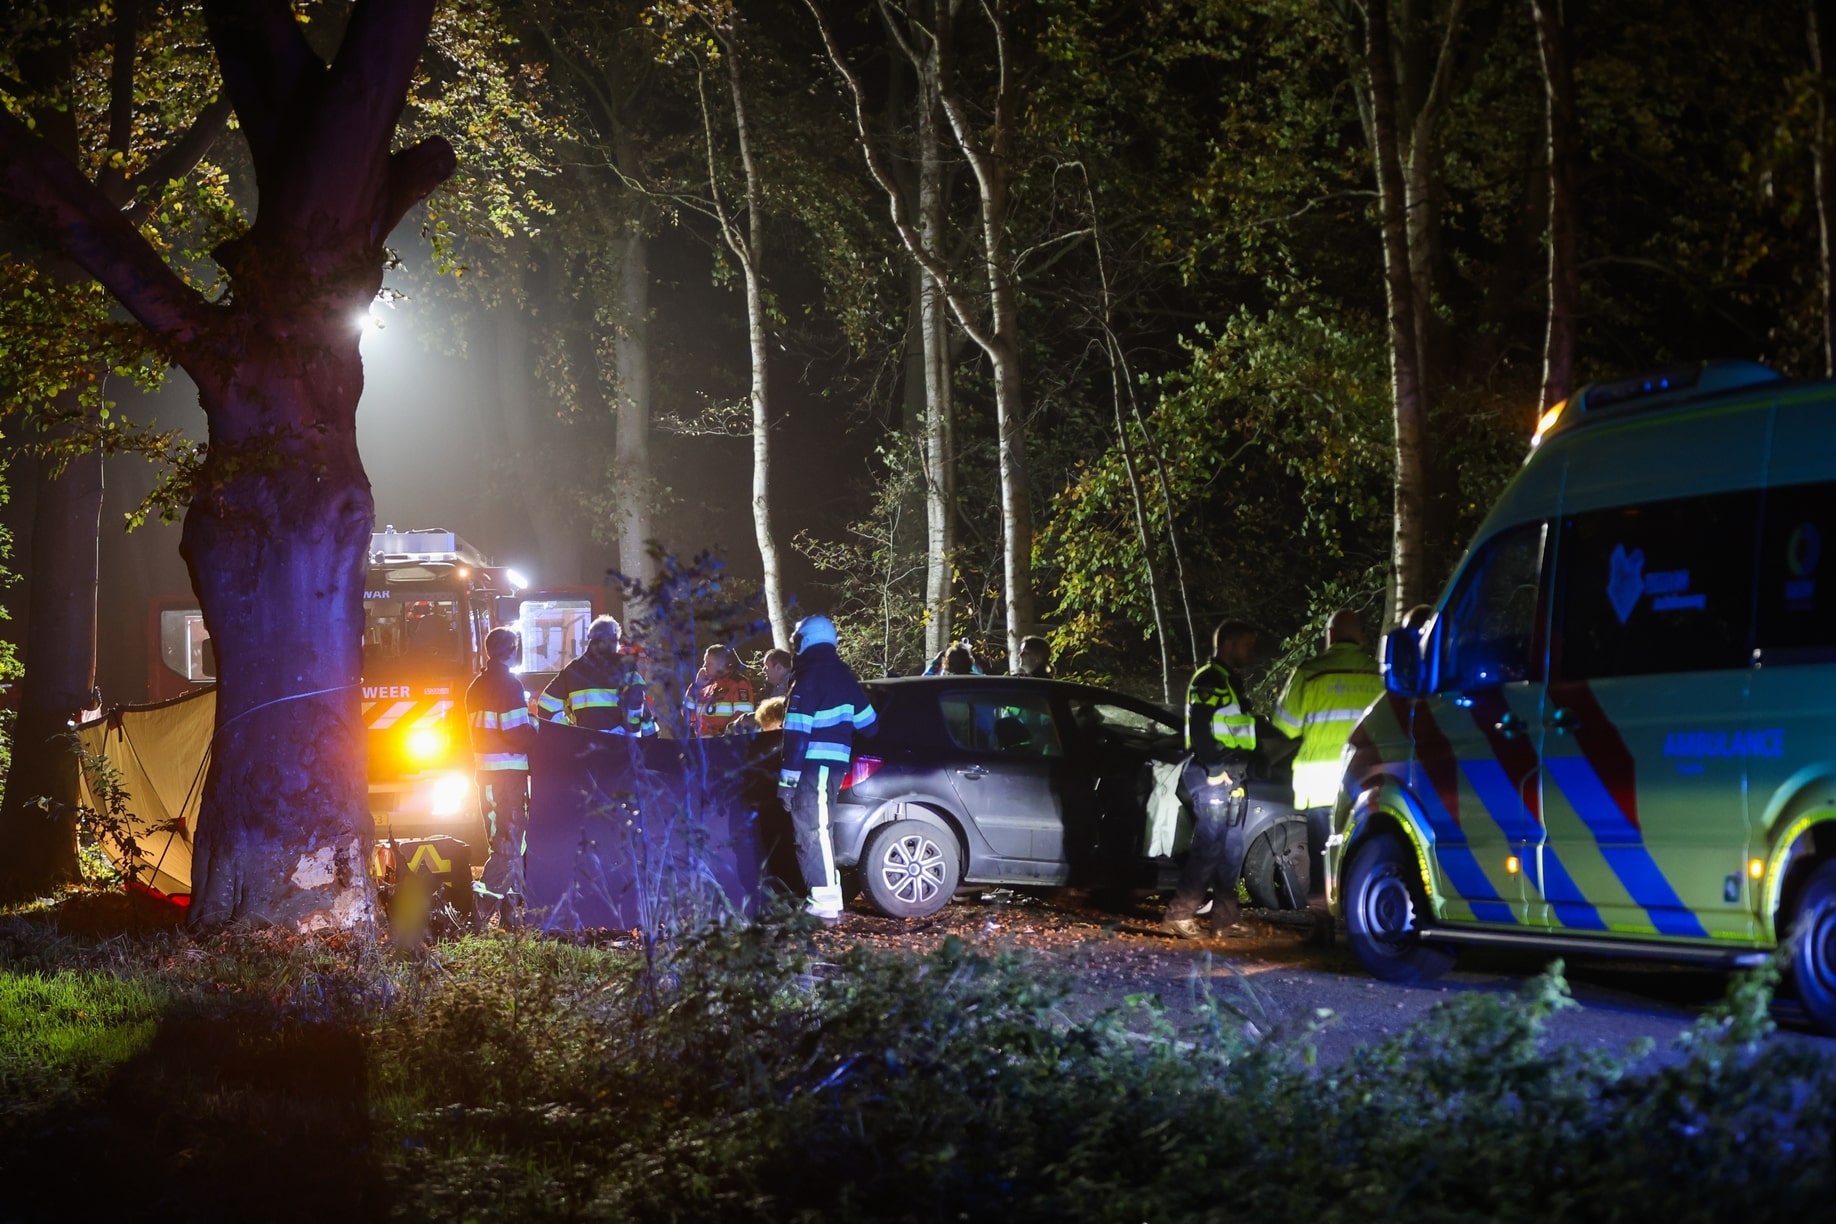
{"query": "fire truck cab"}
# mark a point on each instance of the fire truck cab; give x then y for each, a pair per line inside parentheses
(429, 599)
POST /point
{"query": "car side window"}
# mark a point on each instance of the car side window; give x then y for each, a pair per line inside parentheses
(1011, 724)
(1662, 587)
(1797, 575)
(1097, 719)
(1488, 631)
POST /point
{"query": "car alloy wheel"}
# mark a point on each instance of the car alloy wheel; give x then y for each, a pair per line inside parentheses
(910, 869)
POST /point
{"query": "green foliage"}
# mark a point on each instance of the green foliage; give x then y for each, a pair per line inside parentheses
(509, 1078)
(63, 1034)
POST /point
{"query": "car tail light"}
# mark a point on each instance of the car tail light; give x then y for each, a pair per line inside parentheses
(862, 769)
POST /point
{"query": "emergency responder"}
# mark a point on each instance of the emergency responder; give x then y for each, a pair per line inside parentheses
(826, 709)
(1035, 657)
(502, 734)
(602, 690)
(720, 693)
(777, 667)
(1325, 698)
(1221, 736)
(956, 659)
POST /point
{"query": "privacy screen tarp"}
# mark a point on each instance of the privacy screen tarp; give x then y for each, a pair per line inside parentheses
(621, 829)
(160, 752)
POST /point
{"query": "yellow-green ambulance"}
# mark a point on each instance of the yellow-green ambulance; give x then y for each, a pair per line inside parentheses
(1618, 733)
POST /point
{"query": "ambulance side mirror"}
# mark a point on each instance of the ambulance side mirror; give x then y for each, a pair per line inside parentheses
(509, 607)
(1402, 662)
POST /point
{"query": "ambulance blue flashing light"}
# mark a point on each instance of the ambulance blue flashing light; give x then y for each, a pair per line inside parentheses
(1657, 389)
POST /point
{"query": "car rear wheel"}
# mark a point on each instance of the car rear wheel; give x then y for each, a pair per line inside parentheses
(1385, 910)
(1276, 869)
(1813, 948)
(910, 869)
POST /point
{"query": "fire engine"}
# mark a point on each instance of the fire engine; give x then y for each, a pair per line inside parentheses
(429, 599)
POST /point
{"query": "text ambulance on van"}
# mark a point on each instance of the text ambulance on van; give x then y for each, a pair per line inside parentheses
(1618, 734)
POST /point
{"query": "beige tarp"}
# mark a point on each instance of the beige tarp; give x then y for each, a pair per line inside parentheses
(160, 752)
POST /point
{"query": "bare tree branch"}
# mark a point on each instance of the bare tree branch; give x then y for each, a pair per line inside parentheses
(263, 57)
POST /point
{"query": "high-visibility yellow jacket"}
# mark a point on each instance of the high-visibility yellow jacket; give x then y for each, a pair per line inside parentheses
(1324, 700)
(1220, 733)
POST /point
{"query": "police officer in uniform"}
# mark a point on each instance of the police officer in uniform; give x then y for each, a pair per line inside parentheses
(1221, 736)
(601, 690)
(1325, 698)
(502, 734)
(825, 711)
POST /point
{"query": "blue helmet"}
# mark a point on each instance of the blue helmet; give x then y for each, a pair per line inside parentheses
(813, 631)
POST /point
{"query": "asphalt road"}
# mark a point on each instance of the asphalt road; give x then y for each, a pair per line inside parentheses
(1278, 971)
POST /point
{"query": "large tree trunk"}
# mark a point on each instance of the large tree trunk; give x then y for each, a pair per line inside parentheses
(1564, 228)
(275, 541)
(60, 674)
(1820, 17)
(1407, 560)
(939, 450)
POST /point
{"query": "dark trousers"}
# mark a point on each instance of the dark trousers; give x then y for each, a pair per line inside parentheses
(1216, 859)
(503, 794)
(812, 807)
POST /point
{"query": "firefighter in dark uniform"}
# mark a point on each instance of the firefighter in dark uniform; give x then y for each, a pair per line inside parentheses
(1221, 735)
(602, 690)
(825, 711)
(502, 733)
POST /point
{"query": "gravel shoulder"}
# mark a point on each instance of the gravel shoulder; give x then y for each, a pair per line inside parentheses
(1279, 971)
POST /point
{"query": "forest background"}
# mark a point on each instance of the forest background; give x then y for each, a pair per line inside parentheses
(1084, 317)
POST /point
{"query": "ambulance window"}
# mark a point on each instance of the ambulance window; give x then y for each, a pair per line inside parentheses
(1488, 635)
(184, 644)
(1797, 575)
(1663, 587)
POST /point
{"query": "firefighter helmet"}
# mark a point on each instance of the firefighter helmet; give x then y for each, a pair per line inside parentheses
(814, 631)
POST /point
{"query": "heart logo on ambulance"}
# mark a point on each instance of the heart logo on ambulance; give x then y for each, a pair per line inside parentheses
(1625, 581)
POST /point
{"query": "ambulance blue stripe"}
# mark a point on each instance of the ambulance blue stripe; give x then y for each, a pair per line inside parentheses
(1503, 800)
(1473, 885)
(1564, 896)
(1622, 846)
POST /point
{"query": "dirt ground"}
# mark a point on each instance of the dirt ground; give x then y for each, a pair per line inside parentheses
(1280, 969)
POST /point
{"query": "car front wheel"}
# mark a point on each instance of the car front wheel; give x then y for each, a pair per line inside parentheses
(1813, 948)
(910, 869)
(1385, 910)
(1276, 869)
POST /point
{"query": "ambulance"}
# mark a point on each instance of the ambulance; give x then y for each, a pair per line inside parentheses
(429, 599)
(1617, 734)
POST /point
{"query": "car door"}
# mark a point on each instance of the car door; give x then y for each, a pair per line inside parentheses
(1007, 763)
(1123, 768)
(1474, 760)
(1645, 751)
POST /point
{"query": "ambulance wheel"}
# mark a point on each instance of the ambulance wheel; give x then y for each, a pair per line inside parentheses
(1813, 948)
(909, 869)
(1275, 871)
(1385, 908)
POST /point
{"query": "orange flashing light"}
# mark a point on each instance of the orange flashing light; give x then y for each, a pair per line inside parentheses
(426, 745)
(1756, 868)
(1512, 865)
(1547, 422)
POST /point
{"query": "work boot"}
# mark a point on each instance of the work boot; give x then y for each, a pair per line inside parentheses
(1226, 915)
(1184, 928)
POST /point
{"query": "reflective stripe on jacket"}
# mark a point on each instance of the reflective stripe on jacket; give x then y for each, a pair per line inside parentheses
(498, 720)
(712, 704)
(826, 707)
(599, 697)
(1220, 733)
(1324, 700)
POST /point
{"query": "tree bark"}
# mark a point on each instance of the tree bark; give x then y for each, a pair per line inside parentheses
(1407, 558)
(631, 352)
(939, 449)
(749, 249)
(1820, 18)
(276, 533)
(1564, 200)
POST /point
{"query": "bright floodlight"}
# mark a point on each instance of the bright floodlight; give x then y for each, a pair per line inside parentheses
(516, 580)
(366, 321)
(450, 792)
